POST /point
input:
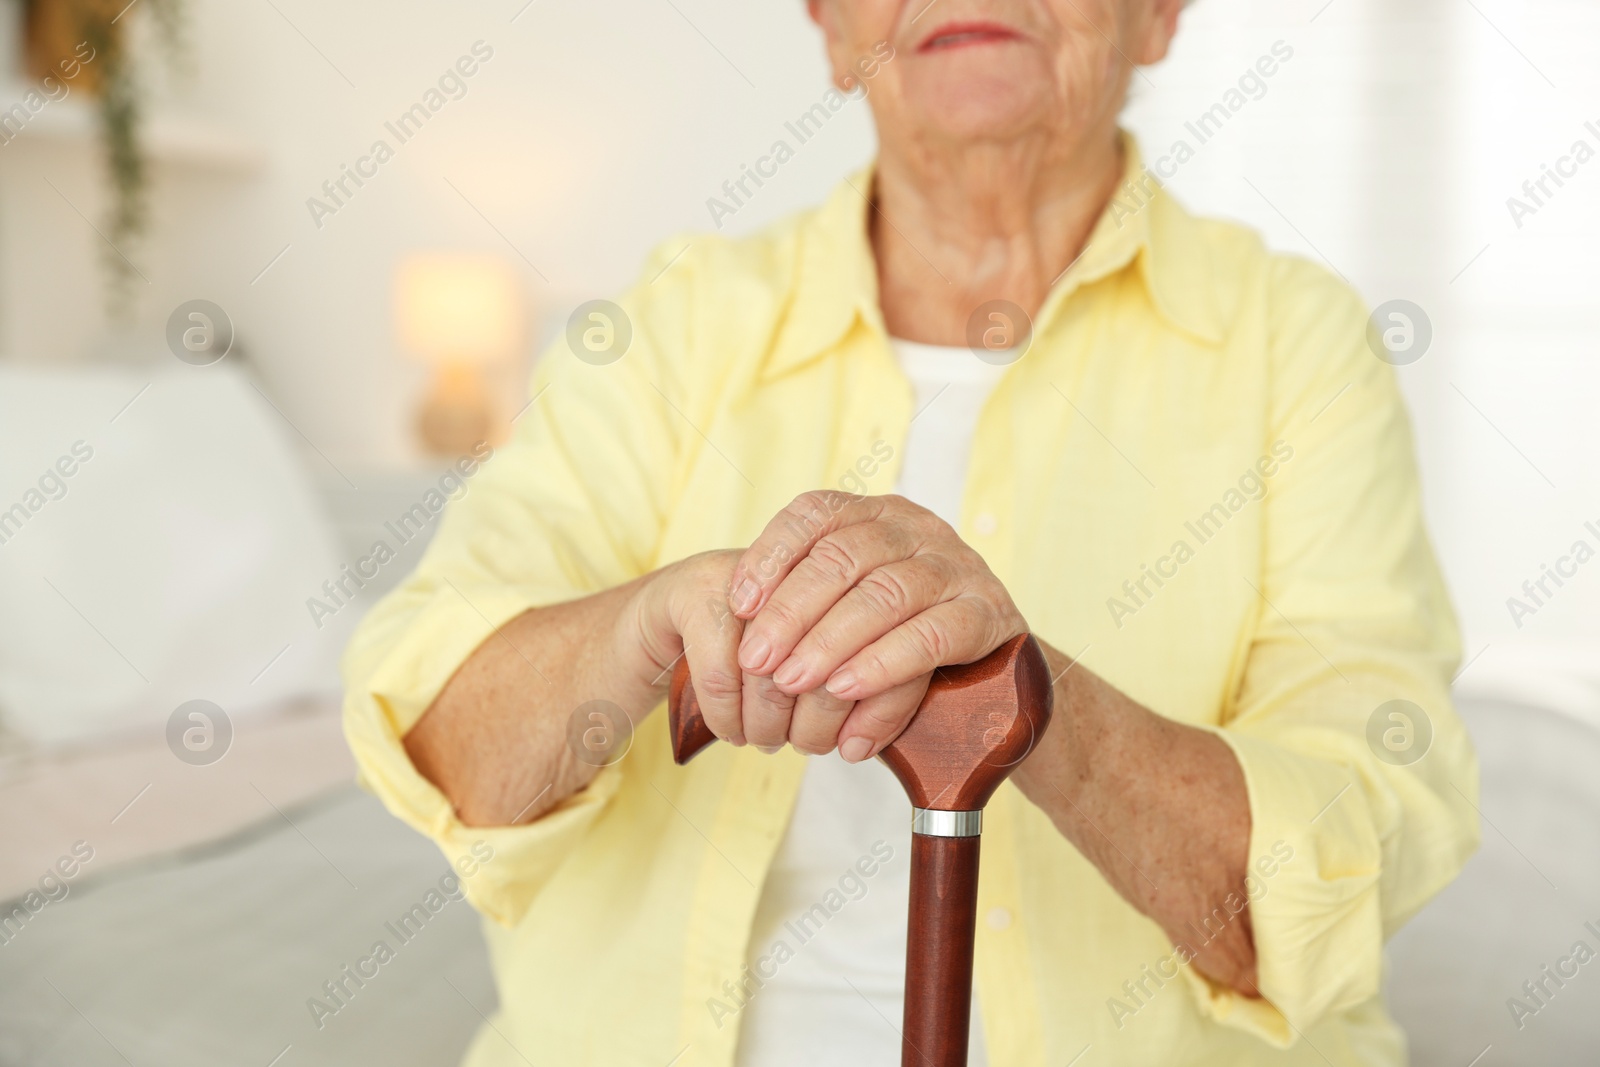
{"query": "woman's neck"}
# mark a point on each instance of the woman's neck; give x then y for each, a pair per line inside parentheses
(956, 226)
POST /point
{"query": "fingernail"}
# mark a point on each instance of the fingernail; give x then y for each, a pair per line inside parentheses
(856, 749)
(737, 740)
(753, 651)
(771, 750)
(841, 682)
(745, 597)
(790, 672)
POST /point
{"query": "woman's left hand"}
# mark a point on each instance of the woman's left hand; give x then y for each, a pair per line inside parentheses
(850, 603)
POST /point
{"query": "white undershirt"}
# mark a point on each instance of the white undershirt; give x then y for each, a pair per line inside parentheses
(837, 994)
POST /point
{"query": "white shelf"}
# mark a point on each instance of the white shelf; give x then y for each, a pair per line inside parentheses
(169, 137)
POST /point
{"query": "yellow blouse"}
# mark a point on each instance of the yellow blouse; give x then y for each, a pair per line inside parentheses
(1199, 480)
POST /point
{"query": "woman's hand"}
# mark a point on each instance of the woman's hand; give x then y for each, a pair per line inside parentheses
(847, 605)
(681, 612)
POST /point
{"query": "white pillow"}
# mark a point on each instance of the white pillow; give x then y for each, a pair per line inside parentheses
(153, 552)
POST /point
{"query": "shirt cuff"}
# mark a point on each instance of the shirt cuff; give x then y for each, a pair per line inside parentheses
(501, 868)
(1313, 889)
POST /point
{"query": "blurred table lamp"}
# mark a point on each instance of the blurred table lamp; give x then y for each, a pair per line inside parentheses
(462, 314)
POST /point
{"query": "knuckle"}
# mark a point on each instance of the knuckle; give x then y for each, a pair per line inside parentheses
(764, 700)
(810, 744)
(886, 593)
(777, 617)
(985, 613)
(820, 706)
(933, 528)
(929, 639)
(766, 721)
(772, 561)
(908, 508)
(832, 560)
(933, 576)
(717, 684)
(907, 543)
(969, 563)
(809, 500)
(764, 735)
(870, 665)
(717, 609)
(711, 570)
(882, 718)
(808, 511)
(836, 500)
(822, 642)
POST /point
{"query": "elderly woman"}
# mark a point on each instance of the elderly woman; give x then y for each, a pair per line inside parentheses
(1167, 453)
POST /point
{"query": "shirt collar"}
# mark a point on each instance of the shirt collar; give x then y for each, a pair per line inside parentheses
(836, 278)
(836, 284)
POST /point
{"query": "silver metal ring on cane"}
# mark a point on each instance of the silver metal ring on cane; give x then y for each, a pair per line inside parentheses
(946, 823)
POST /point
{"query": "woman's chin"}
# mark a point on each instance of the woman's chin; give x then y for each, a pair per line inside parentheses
(990, 92)
(993, 108)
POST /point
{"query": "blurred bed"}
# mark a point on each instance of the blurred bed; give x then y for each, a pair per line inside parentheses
(178, 888)
(210, 954)
(1524, 901)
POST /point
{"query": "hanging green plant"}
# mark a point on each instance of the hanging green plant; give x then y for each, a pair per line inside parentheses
(60, 32)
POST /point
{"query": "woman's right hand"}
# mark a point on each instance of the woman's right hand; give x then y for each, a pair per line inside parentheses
(683, 611)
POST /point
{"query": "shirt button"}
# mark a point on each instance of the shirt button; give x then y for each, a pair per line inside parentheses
(999, 918)
(986, 524)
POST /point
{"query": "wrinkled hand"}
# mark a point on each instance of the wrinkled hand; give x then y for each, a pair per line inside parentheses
(849, 604)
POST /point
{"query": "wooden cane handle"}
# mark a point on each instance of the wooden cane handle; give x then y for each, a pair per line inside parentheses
(690, 734)
(978, 721)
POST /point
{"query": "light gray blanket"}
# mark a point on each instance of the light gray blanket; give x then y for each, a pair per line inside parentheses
(210, 957)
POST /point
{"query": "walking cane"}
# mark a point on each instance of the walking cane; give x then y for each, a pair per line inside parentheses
(976, 724)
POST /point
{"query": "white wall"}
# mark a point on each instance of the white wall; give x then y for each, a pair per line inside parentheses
(1388, 145)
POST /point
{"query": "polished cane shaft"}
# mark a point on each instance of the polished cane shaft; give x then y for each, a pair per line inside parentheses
(939, 940)
(977, 722)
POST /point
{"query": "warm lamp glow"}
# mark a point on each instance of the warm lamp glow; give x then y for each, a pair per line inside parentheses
(459, 313)
(453, 309)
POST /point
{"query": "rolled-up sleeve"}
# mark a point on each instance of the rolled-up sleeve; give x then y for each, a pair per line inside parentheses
(1362, 808)
(573, 504)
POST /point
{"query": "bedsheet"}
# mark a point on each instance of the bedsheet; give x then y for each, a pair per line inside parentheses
(216, 954)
